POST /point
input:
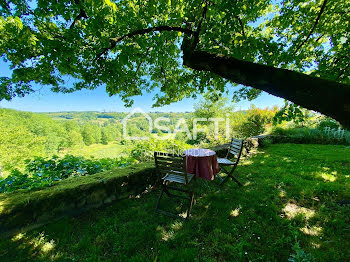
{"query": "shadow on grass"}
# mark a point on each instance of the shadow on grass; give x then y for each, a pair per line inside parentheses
(284, 201)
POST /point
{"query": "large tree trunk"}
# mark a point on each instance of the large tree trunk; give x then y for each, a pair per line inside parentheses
(327, 97)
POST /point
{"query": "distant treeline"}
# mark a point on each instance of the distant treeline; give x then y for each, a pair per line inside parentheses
(93, 115)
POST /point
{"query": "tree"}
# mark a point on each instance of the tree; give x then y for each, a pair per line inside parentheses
(107, 135)
(74, 138)
(212, 107)
(17, 141)
(297, 50)
(255, 121)
(71, 126)
(95, 130)
(88, 134)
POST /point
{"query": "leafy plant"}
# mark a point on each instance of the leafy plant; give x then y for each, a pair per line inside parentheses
(291, 112)
(300, 255)
(328, 122)
(255, 122)
(264, 142)
(42, 172)
(308, 136)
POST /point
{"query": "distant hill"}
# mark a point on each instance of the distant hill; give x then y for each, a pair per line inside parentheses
(82, 116)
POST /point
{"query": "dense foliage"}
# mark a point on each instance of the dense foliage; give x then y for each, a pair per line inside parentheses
(132, 47)
(312, 135)
(42, 172)
(255, 122)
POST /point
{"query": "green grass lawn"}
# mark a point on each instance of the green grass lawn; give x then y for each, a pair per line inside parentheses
(112, 150)
(287, 208)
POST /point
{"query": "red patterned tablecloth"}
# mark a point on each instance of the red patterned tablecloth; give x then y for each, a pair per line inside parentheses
(202, 162)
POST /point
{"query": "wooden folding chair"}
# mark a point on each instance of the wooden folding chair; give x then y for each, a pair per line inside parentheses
(172, 170)
(234, 150)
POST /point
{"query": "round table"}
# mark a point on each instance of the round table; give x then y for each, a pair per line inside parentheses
(202, 162)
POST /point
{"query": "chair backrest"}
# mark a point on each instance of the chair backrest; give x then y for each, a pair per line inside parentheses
(235, 149)
(171, 164)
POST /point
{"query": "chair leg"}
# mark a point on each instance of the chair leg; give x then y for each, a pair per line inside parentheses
(219, 177)
(190, 207)
(229, 174)
(166, 191)
(223, 180)
(162, 191)
(236, 180)
(159, 198)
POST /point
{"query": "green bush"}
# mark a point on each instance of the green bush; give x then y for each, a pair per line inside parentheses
(264, 142)
(308, 136)
(42, 172)
(328, 122)
(255, 122)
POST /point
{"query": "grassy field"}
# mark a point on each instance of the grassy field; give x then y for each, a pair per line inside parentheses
(112, 150)
(287, 209)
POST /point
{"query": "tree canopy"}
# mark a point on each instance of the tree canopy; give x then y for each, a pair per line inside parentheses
(297, 50)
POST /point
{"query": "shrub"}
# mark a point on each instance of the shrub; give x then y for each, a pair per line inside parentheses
(143, 150)
(42, 172)
(328, 122)
(255, 122)
(308, 136)
(266, 141)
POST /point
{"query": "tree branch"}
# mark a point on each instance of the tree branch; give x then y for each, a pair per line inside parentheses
(144, 31)
(325, 96)
(5, 6)
(343, 72)
(314, 26)
(241, 24)
(82, 14)
(318, 39)
(138, 67)
(141, 62)
(342, 12)
(199, 27)
(152, 29)
(338, 59)
(163, 72)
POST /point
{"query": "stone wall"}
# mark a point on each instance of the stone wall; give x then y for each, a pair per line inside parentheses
(23, 210)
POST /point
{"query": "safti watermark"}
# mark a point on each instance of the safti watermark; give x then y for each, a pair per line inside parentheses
(181, 126)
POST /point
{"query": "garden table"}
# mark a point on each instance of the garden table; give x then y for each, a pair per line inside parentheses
(202, 162)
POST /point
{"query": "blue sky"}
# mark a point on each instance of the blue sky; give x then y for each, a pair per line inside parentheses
(98, 100)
